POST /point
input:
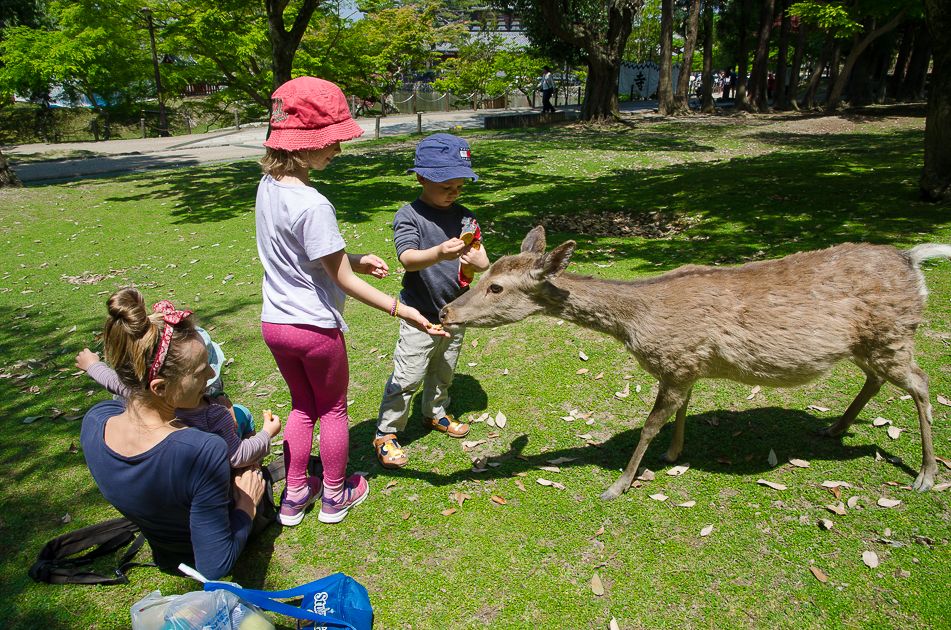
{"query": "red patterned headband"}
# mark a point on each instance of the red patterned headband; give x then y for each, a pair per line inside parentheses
(171, 317)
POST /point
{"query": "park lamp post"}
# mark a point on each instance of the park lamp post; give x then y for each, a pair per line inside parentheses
(147, 12)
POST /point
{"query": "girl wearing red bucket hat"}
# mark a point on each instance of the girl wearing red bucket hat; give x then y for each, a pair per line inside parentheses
(308, 275)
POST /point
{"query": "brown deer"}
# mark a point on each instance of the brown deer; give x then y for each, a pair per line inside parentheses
(779, 323)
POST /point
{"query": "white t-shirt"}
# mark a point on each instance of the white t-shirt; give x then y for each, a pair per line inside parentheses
(296, 226)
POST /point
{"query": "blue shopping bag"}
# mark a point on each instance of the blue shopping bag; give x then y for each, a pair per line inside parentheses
(336, 601)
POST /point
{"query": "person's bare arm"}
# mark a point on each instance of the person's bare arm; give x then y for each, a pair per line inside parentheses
(337, 266)
(417, 259)
(369, 264)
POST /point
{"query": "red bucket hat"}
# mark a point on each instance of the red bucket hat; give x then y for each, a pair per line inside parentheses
(309, 113)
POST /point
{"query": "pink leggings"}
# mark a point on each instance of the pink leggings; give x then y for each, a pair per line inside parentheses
(313, 362)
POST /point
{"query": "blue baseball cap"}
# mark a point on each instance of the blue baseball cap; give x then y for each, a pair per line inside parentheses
(443, 156)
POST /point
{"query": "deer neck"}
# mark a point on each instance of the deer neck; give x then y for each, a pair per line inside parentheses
(607, 306)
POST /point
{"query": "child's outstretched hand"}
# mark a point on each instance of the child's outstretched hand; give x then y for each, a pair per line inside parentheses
(452, 249)
(272, 424)
(86, 358)
(415, 319)
(371, 265)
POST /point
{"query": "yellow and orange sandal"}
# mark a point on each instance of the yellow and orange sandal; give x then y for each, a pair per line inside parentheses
(389, 451)
(448, 425)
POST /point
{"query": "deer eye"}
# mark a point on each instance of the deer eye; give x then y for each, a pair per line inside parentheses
(495, 288)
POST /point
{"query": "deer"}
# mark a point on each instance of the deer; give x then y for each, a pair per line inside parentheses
(777, 323)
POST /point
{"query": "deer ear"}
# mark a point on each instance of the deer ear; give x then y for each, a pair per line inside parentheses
(534, 243)
(555, 262)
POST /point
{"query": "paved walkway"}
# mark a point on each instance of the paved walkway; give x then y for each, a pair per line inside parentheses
(226, 145)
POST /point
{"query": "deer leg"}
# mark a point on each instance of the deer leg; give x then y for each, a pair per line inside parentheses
(916, 384)
(873, 383)
(669, 399)
(677, 442)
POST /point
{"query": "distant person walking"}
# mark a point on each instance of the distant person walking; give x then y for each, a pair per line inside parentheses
(547, 86)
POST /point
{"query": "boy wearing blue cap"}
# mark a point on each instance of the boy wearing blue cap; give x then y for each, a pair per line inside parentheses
(438, 242)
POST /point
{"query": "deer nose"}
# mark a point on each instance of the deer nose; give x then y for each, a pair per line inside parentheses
(443, 313)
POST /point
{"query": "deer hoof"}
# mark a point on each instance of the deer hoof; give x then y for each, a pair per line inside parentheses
(611, 493)
(666, 459)
(924, 482)
(826, 431)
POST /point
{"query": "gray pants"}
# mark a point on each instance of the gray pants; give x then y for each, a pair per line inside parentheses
(419, 359)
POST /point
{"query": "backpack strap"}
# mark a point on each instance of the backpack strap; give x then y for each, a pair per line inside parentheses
(107, 537)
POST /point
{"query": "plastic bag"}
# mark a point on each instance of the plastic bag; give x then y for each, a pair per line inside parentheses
(200, 610)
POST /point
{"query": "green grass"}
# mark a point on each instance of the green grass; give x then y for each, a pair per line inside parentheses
(746, 189)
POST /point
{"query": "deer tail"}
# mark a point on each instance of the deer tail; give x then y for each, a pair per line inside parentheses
(926, 251)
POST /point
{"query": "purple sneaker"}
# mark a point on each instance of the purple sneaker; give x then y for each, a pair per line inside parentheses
(355, 490)
(292, 512)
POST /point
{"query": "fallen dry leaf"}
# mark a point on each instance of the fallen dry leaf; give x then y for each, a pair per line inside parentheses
(659, 497)
(724, 460)
(753, 393)
(771, 459)
(72, 449)
(549, 468)
(581, 371)
(561, 460)
(500, 420)
(582, 356)
(405, 516)
(543, 482)
(748, 457)
(600, 531)
(736, 433)
(475, 343)
(676, 471)
(706, 531)
(599, 376)
(819, 574)
(837, 492)
(880, 422)
(448, 512)
(888, 503)
(894, 432)
(941, 487)
(838, 508)
(646, 475)
(498, 499)
(490, 422)
(836, 484)
(687, 504)
(614, 625)
(944, 401)
(461, 497)
(626, 392)
(870, 558)
(391, 484)
(596, 586)
(472, 443)
(826, 524)
(521, 486)
(799, 463)
(852, 502)
(771, 484)
(817, 408)
(944, 460)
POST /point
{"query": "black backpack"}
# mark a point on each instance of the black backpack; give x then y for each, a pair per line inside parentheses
(53, 560)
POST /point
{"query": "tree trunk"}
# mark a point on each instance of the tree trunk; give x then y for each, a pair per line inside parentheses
(857, 49)
(792, 99)
(920, 51)
(813, 85)
(758, 101)
(834, 67)
(935, 182)
(881, 86)
(682, 97)
(743, 67)
(600, 91)
(904, 51)
(8, 179)
(779, 93)
(707, 106)
(665, 85)
(284, 43)
(860, 92)
(604, 59)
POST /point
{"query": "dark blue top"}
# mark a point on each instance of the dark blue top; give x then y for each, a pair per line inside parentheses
(178, 493)
(419, 226)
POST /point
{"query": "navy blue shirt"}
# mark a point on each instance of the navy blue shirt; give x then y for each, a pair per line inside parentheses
(419, 226)
(178, 493)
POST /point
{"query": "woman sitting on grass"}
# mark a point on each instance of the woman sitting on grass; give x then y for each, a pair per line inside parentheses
(173, 481)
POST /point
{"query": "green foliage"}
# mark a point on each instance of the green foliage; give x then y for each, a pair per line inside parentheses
(487, 66)
(830, 16)
(644, 41)
(96, 49)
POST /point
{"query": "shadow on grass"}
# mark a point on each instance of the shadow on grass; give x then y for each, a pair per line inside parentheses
(791, 432)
